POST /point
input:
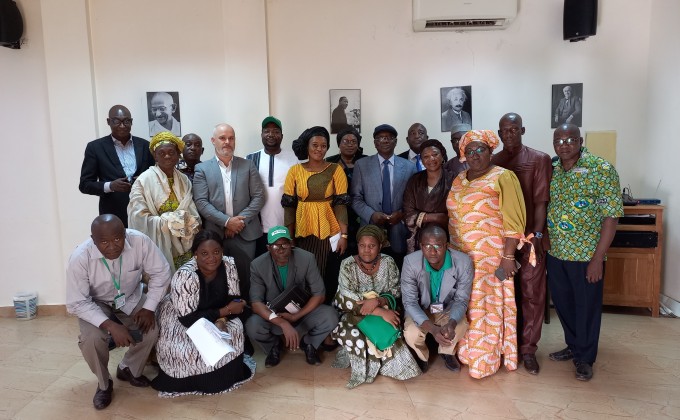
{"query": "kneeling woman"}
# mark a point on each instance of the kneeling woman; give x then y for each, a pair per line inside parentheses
(367, 283)
(205, 287)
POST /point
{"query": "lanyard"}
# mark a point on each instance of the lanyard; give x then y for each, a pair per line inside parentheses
(116, 284)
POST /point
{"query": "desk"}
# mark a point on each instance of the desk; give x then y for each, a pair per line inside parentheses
(633, 275)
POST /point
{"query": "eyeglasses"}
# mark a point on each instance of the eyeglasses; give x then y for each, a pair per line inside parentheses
(349, 142)
(276, 247)
(569, 141)
(430, 247)
(117, 121)
(155, 109)
(477, 151)
(385, 138)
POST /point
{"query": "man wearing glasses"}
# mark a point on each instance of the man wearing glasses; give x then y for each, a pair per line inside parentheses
(377, 190)
(585, 204)
(435, 287)
(281, 269)
(533, 170)
(112, 163)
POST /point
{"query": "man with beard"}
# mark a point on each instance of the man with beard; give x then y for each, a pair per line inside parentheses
(162, 107)
(417, 134)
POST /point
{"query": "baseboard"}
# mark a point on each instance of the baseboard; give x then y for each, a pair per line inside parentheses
(43, 310)
(670, 303)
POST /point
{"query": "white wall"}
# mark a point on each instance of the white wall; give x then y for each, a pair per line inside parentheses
(237, 60)
(661, 146)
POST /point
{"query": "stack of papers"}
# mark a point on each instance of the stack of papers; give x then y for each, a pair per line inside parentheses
(211, 343)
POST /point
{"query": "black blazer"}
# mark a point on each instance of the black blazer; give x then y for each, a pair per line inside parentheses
(404, 154)
(101, 165)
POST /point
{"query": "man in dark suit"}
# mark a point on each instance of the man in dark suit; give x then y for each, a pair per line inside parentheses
(111, 164)
(417, 134)
(436, 283)
(284, 268)
(568, 111)
(229, 195)
(377, 190)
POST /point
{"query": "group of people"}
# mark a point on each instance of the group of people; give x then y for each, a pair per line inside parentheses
(451, 254)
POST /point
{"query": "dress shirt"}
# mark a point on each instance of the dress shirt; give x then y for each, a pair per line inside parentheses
(391, 168)
(89, 281)
(226, 183)
(274, 168)
(155, 127)
(126, 155)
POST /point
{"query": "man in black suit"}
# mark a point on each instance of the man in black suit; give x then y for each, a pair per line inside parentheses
(417, 134)
(111, 164)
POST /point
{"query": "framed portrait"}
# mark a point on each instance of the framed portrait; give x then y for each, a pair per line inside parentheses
(456, 106)
(164, 113)
(345, 109)
(567, 104)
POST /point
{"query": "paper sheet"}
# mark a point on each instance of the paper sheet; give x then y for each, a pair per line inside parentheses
(210, 342)
(334, 241)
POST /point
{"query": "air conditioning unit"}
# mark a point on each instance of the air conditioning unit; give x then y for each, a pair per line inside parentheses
(462, 15)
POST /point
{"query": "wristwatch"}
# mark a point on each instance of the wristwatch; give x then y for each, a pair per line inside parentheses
(539, 235)
(273, 315)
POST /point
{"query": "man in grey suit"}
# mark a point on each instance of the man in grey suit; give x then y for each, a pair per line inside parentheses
(229, 194)
(281, 269)
(435, 288)
(377, 190)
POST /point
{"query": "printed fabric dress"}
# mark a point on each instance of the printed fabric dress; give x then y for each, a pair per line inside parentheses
(182, 369)
(482, 213)
(366, 361)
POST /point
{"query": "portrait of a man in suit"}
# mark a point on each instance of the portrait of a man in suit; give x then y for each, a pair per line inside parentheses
(567, 104)
(456, 106)
(112, 163)
(345, 109)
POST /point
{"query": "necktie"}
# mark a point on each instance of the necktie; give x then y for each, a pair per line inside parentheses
(419, 164)
(387, 188)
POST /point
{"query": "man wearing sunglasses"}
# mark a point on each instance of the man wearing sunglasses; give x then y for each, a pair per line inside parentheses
(112, 163)
(585, 204)
(436, 283)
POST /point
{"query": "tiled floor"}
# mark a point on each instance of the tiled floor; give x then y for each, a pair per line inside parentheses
(42, 376)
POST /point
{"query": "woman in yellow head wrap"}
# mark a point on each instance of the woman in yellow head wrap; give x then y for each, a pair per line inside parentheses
(161, 202)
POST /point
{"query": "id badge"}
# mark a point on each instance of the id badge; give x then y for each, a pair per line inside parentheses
(119, 301)
(436, 308)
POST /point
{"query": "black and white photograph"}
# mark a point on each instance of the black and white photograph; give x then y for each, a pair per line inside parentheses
(345, 107)
(163, 113)
(456, 106)
(567, 104)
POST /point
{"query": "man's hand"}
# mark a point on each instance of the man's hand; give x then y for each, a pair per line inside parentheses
(290, 334)
(292, 318)
(342, 246)
(379, 218)
(445, 334)
(594, 270)
(538, 247)
(368, 305)
(395, 217)
(120, 185)
(121, 336)
(145, 320)
(236, 224)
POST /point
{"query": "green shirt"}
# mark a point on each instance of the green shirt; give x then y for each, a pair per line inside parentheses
(580, 199)
(283, 272)
(436, 276)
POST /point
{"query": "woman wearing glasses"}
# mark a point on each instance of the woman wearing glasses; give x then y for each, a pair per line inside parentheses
(486, 220)
(426, 192)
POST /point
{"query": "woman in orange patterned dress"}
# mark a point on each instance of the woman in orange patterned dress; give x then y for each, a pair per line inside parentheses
(486, 221)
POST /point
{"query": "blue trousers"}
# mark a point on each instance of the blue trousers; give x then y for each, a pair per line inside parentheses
(578, 305)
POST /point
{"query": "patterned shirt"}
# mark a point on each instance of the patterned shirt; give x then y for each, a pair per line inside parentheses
(580, 199)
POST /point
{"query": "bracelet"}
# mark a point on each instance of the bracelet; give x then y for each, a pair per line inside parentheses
(420, 219)
(508, 257)
(344, 236)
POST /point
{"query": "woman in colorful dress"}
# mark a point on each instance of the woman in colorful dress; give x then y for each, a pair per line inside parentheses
(426, 193)
(205, 287)
(368, 282)
(486, 221)
(161, 202)
(315, 204)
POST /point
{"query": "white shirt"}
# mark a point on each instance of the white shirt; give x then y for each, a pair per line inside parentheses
(272, 212)
(89, 281)
(226, 184)
(413, 157)
(126, 155)
(155, 127)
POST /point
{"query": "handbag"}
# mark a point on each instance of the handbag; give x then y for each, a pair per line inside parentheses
(380, 332)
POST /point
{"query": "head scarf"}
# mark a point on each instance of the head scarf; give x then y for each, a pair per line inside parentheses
(301, 144)
(373, 231)
(488, 137)
(165, 137)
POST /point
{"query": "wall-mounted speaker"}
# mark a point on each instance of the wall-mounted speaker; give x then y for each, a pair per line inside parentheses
(11, 25)
(580, 19)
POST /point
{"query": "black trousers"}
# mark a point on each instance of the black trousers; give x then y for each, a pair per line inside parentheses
(578, 305)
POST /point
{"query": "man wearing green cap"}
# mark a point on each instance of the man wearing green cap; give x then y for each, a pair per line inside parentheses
(281, 269)
(273, 163)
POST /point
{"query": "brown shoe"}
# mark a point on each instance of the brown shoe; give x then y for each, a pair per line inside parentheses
(530, 363)
(102, 398)
(125, 375)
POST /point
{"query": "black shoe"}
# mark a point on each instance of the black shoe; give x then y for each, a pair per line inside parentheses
(102, 398)
(451, 362)
(311, 354)
(248, 348)
(274, 356)
(562, 355)
(329, 347)
(584, 371)
(422, 364)
(125, 375)
(530, 363)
